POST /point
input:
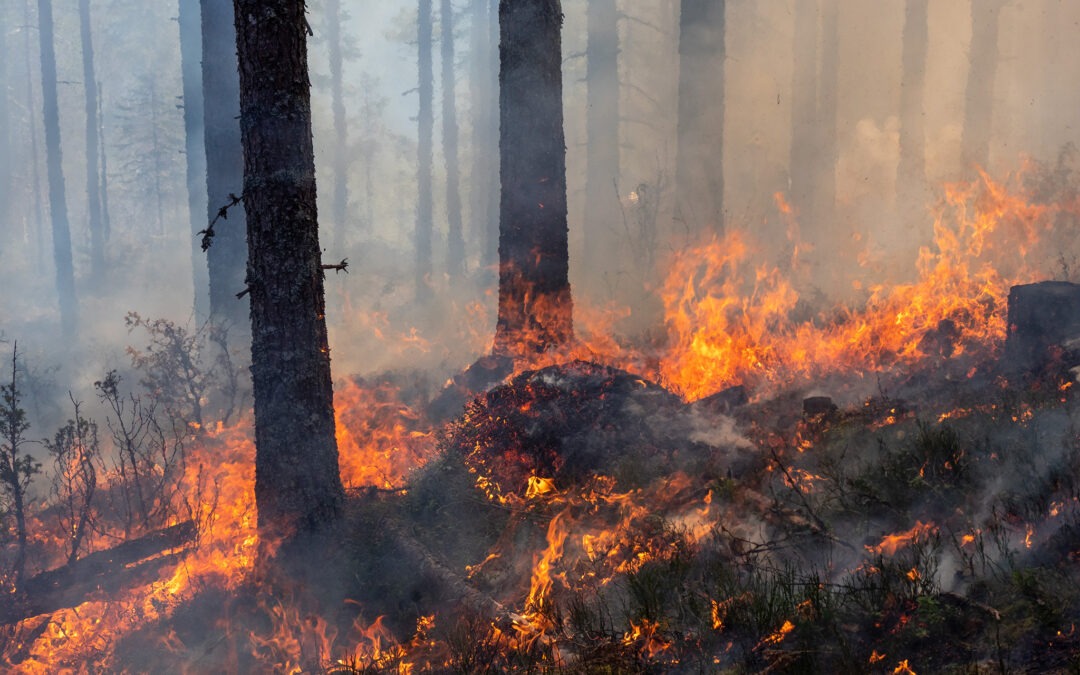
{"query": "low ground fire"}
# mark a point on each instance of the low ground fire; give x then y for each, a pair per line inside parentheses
(773, 487)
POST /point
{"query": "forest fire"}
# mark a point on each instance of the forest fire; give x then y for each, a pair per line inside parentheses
(600, 522)
(707, 360)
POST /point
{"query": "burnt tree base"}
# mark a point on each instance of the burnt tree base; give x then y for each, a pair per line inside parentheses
(1043, 319)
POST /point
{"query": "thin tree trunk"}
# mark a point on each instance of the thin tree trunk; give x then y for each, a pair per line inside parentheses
(484, 177)
(699, 173)
(911, 169)
(455, 241)
(979, 94)
(93, 181)
(828, 109)
(61, 229)
(1051, 80)
(155, 149)
(426, 122)
(194, 147)
(297, 484)
(602, 131)
(224, 163)
(106, 221)
(804, 106)
(38, 214)
(5, 135)
(341, 136)
(535, 306)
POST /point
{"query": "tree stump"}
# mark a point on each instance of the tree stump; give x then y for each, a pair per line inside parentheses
(1042, 317)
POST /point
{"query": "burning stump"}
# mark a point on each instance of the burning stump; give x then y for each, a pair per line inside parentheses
(558, 426)
(1042, 317)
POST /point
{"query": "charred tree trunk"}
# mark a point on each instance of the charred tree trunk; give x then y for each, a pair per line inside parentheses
(341, 135)
(224, 162)
(602, 132)
(804, 106)
(484, 81)
(699, 172)
(911, 169)
(426, 120)
(979, 96)
(93, 180)
(297, 483)
(194, 146)
(535, 307)
(61, 229)
(455, 240)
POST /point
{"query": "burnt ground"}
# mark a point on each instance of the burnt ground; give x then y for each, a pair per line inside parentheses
(720, 536)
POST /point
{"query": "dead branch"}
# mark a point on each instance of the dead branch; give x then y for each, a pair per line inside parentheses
(342, 266)
(222, 214)
(123, 566)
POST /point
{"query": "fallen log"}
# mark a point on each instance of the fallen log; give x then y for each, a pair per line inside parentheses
(104, 572)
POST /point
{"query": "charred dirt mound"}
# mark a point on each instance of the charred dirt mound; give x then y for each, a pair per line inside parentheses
(567, 422)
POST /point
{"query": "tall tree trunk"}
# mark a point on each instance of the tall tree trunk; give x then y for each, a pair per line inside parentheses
(699, 172)
(93, 181)
(455, 241)
(224, 162)
(828, 108)
(602, 132)
(426, 122)
(297, 483)
(1052, 81)
(911, 169)
(61, 229)
(106, 221)
(484, 176)
(804, 106)
(979, 94)
(341, 135)
(535, 306)
(35, 159)
(156, 152)
(194, 146)
(5, 135)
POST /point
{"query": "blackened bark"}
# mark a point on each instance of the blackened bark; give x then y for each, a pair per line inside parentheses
(194, 146)
(224, 162)
(484, 178)
(426, 126)
(93, 181)
(61, 229)
(297, 484)
(979, 94)
(699, 172)
(455, 241)
(804, 141)
(535, 307)
(341, 135)
(911, 169)
(602, 132)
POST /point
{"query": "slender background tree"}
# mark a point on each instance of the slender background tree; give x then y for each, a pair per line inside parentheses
(224, 162)
(58, 211)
